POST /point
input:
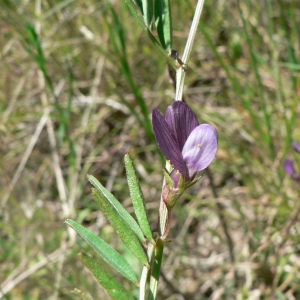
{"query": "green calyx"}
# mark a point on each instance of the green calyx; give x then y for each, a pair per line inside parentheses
(172, 189)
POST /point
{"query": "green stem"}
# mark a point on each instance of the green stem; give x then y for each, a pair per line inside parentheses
(145, 271)
(155, 268)
(180, 72)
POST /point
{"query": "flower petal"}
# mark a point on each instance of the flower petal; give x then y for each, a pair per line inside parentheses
(167, 143)
(296, 146)
(182, 121)
(200, 148)
(289, 167)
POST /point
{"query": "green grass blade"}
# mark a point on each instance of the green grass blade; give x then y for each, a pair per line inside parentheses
(137, 198)
(117, 36)
(260, 90)
(111, 256)
(148, 12)
(123, 230)
(235, 83)
(129, 220)
(106, 278)
(163, 22)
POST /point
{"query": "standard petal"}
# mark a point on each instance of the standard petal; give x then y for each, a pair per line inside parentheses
(167, 144)
(289, 167)
(182, 121)
(200, 148)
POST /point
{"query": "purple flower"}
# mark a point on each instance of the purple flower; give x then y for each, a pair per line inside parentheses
(189, 147)
(296, 146)
(289, 164)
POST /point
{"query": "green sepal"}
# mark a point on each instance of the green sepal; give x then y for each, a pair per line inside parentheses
(163, 22)
(106, 278)
(170, 193)
(110, 255)
(123, 230)
(137, 198)
(118, 207)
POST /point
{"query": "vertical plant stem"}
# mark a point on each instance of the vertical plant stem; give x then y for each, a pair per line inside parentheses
(180, 72)
(145, 272)
(155, 268)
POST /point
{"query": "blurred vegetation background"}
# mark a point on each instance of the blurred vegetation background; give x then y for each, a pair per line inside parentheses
(78, 81)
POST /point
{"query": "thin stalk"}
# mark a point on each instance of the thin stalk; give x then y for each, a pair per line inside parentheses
(155, 268)
(180, 72)
(145, 272)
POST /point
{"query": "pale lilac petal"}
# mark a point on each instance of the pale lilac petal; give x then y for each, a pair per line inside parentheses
(167, 144)
(296, 146)
(289, 167)
(200, 148)
(182, 121)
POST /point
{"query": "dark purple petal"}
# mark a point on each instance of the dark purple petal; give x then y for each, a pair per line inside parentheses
(200, 148)
(182, 121)
(296, 146)
(289, 167)
(167, 144)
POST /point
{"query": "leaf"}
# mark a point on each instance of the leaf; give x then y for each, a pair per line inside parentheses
(163, 22)
(110, 255)
(148, 12)
(136, 14)
(150, 35)
(137, 198)
(139, 4)
(122, 228)
(106, 278)
(118, 207)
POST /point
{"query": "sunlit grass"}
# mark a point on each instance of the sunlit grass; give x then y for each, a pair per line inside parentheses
(78, 101)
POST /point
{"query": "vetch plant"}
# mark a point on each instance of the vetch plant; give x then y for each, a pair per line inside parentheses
(188, 147)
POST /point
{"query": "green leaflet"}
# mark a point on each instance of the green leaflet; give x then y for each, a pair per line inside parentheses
(106, 278)
(117, 207)
(122, 228)
(148, 12)
(170, 60)
(137, 198)
(135, 14)
(110, 255)
(163, 22)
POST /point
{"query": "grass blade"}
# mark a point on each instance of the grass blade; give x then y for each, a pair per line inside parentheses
(106, 278)
(110, 255)
(137, 197)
